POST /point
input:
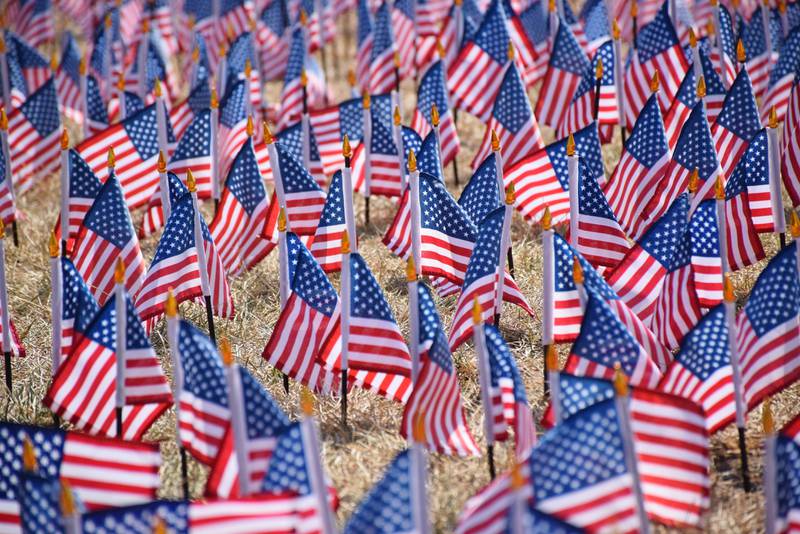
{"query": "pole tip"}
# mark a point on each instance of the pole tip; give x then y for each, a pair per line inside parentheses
(620, 381)
(52, 245)
(411, 270)
(694, 181)
(615, 31)
(577, 271)
(511, 196)
(162, 162)
(782, 7)
(634, 9)
(773, 117)
(112, 159)
(412, 161)
(171, 307)
(727, 288)
(157, 88)
(191, 183)
(701, 87)
(477, 312)
(719, 189)
(64, 139)
(419, 427)
(54, 61)
(440, 51)
(511, 51)
(551, 6)
(3, 119)
(28, 454)
(692, 38)
(434, 115)
(365, 100)
(268, 139)
(248, 69)
(225, 352)
(396, 58)
(517, 480)
(307, 402)
(195, 54)
(741, 53)
(303, 17)
(345, 249)
(398, 119)
(67, 499)
(570, 145)
(547, 219)
(654, 82)
(598, 70)
(794, 224)
(83, 66)
(282, 220)
(121, 82)
(303, 78)
(250, 128)
(495, 141)
(351, 77)
(214, 98)
(346, 150)
(767, 421)
(159, 525)
(119, 272)
(2, 229)
(551, 358)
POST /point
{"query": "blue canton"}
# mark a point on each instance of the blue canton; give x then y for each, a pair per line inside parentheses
(739, 114)
(432, 339)
(141, 128)
(288, 470)
(196, 141)
(492, 36)
(82, 181)
(428, 157)
(41, 109)
(567, 53)
(579, 392)
(109, 217)
(432, 90)
(563, 259)
(203, 374)
(48, 445)
(502, 364)
(752, 169)
(77, 302)
(705, 348)
(482, 193)
(178, 236)
(703, 230)
(244, 179)
(263, 416)
(486, 253)
(294, 175)
(587, 147)
(104, 327)
(512, 108)
(40, 504)
(648, 142)
(695, 148)
(333, 211)
(657, 36)
(662, 239)
(775, 299)
(138, 519)
(366, 296)
(382, 38)
(439, 211)
(233, 108)
(388, 507)
(310, 284)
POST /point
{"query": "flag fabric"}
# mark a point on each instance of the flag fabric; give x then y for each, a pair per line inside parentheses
(273, 41)
(236, 229)
(568, 63)
(782, 453)
(28, 69)
(706, 250)
(604, 341)
(327, 244)
(723, 55)
(39, 502)
(513, 121)
(102, 472)
(131, 100)
(384, 164)
(388, 506)
(292, 139)
(481, 196)
(183, 113)
(600, 238)
(292, 93)
(645, 157)
(364, 38)
(474, 77)
(33, 132)
(154, 216)
(657, 50)
(433, 91)
(8, 205)
(241, 50)
(176, 265)
(542, 179)
(510, 408)
(767, 328)
(702, 371)
(106, 235)
(482, 279)
(404, 34)
(760, 60)
(163, 29)
(78, 308)
(736, 123)
(790, 164)
(68, 80)
(428, 159)
(264, 423)
(135, 145)
(437, 395)
(381, 68)
(83, 388)
(535, 21)
(782, 77)
(232, 125)
(35, 22)
(96, 108)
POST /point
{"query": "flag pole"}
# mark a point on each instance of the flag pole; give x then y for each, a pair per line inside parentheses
(8, 176)
(622, 401)
(309, 433)
(70, 512)
(416, 221)
(741, 408)
(634, 16)
(618, 78)
(776, 193)
(441, 51)
(517, 517)
(238, 422)
(65, 172)
(55, 302)
(6, 85)
(397, 131)
(598, 84)
(396, 93)
(548, 288)
(202, 260)
(345, 322)
(412, 282)
(141, 59)
(107, 50)
(121, 342)
(84, 91)
(173, 327)
(485, 384)
(770, 468)
(215, 178)
(505, 250)
(163, 187)
(366, 122)
(121, 96)
(722, 224)
(283, 275)
(248, 102)
(419, 470)
(574, 193)
(498, 167)
(437, 136)
(552, 369)
(305, 125)
(6, 321)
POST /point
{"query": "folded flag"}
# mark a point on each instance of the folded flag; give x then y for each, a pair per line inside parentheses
(481, 196)
(782, 77)
(780, 478)
(327, 244)
(760, 60)
(273, 41)
(232, 125)
(737, 123)
(704, 246)
(432, 91)
(68, 80)
(78, 308)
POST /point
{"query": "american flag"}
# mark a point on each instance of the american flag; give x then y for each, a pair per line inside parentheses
(274, 513)
(327, 244)
(780, 479)
(97, 119)
(565, 70)
(639, 278)
(232, 125)
(433, 91)
(243, 207)
(723, 54)
(179, 264)
(404, 32)
(604, 341)
(182, 114)
(68, 80)
(155, 69)
(332, 124)
(382, 68)
(736, 124)
(34, 22)
(535, 21)
(513, 122)
(760, 60)
(790, 164)
(475, 74)
(160, 15)
(293, 139)
(460, 24)
(596, 25)
(131, 101)
(364, 38)
(273, 40)
(240, 52)
(657, 50)
(33, 132)
(748, 205)
(264, 423)
(542, 179)
(436, 394)
(310, 314)
(781, 78)
(707, 265)
(106, 234)
(389, 505)
(27, 69)
(136, 149)
(600, 238)
(695, 151)
(702, 371)
(102, 472)
(510, 406)
(385, 174)
(8, 207)
(89, 404)
(297, 192)
(290, 471)
(292, 93)
(153, 218)
(767, 330)
(428, 159)
(78, 308)
(644, 159)
(525, 53)
(581, 111)
(686, 99)
(481, 196)
(481, 281)
(39, 502)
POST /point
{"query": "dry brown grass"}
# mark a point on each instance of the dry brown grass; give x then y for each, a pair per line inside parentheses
(354, 462)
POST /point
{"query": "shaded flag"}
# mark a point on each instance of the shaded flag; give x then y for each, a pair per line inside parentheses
(736, 123)
(364, 38)
(106, 235)
(232, 125)
(327, 244)
(28, 70)
(404, 32)
(68, 80)
(33, 132)
(645, 157)
(381, 68)
(436, 394)
(433, 91)
(291, 106)
(513, 121)
(481, 196)
(760, 60)
(782, 77)
(273, 41)
(89, 403)
(565, 70)
(78, 308)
